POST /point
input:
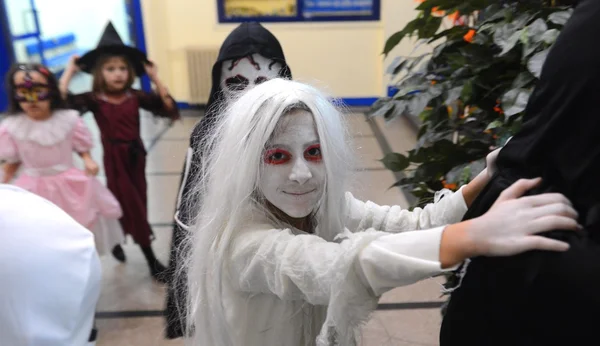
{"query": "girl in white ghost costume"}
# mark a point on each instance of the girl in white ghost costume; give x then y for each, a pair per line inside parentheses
(282, 255)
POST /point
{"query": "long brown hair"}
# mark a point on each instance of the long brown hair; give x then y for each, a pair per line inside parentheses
(56, 101)
(99, 84)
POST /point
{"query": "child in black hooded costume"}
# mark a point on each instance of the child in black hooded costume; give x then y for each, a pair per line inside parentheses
(259, 48)
(545, 298)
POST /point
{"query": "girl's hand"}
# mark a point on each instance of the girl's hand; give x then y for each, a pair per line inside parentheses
(151, 70)
(72, 66)
(511, 224)
(91, 167)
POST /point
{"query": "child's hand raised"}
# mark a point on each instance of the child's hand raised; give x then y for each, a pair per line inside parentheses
(151, 69)
(72, 65)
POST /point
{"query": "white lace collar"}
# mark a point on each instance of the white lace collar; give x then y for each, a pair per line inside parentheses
(47, 132)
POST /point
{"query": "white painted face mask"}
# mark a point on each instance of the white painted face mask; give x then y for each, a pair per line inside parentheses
(293, 174)
(242, 74)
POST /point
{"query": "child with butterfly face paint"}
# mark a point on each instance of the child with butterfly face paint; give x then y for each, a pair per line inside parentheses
(40, 136)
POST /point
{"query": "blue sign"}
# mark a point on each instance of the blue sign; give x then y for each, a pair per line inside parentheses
(338, 7)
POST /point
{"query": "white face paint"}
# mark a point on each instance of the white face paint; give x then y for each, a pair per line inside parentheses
(242, 74)
(293, 177)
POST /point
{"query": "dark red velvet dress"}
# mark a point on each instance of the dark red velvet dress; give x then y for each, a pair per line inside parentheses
(124, 153)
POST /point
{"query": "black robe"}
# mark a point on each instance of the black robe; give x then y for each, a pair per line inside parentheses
(247, 39)
(545, 298)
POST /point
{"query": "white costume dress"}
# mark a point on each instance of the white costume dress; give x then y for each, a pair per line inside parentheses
(289, 288)
(50, 273)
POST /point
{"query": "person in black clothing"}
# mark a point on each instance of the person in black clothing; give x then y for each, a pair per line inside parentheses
(250, 55)
(544, 298)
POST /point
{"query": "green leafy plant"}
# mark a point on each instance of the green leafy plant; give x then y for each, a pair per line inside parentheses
(470, 91)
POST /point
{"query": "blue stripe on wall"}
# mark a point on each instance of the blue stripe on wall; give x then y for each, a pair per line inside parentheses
(347, 101)
(7, 56)
(135, 13)
(359, 101)
(185, 105)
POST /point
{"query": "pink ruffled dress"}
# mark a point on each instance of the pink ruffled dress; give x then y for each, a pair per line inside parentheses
(45, 151)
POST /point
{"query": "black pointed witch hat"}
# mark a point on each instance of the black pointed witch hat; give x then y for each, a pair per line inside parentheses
(112, 44)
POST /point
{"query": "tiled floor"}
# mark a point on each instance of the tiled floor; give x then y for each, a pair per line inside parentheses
(128, 288)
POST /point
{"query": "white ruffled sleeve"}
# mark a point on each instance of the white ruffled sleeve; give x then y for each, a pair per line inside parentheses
(82, 138)
(448, 208)
(347, 276)
(8, 147)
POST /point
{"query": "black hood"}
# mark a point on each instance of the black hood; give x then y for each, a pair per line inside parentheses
(247, 39)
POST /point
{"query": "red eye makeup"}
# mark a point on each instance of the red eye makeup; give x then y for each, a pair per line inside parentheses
(277, 156)
(313, 153)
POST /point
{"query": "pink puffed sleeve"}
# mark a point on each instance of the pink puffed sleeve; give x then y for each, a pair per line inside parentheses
(8, 147)
(82, 138)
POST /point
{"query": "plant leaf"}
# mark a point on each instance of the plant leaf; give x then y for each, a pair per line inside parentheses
(467, 91)
(536, 30)
(561, 17)
(432, 25)
(535, 64)
(396, 65)
(532, 36)
(454, 32)
(496, 14)
(506, 39)
(416, 61)
(494, 124)
(522, 80)
(408, 30)
(507, 35)
(379, 107)
(453, 176)
(418, 103)
(422, 130)
(453, 95)
(395, 162)
(515, 101)
(550, 36)
(429, 170)
(393, 41)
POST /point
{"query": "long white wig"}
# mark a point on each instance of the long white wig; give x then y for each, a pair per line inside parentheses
(228, 186)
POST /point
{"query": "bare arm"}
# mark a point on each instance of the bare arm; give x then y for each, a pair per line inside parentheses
(164, 94)
(65, 79)
(91, 167)
(10, 169)
(162, 90)
(473, 188)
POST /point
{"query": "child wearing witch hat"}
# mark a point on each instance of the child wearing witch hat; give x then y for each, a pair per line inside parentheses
(115, 106)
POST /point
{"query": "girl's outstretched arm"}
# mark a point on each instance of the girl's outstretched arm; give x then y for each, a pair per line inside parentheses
(66, 77)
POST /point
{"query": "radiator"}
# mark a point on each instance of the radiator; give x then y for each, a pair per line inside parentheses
(200, 61)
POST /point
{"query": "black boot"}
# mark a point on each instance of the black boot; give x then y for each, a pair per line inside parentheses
(157, 270)
(93, 333)
(119, 254)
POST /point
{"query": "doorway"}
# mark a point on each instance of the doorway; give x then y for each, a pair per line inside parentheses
(50, 31)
